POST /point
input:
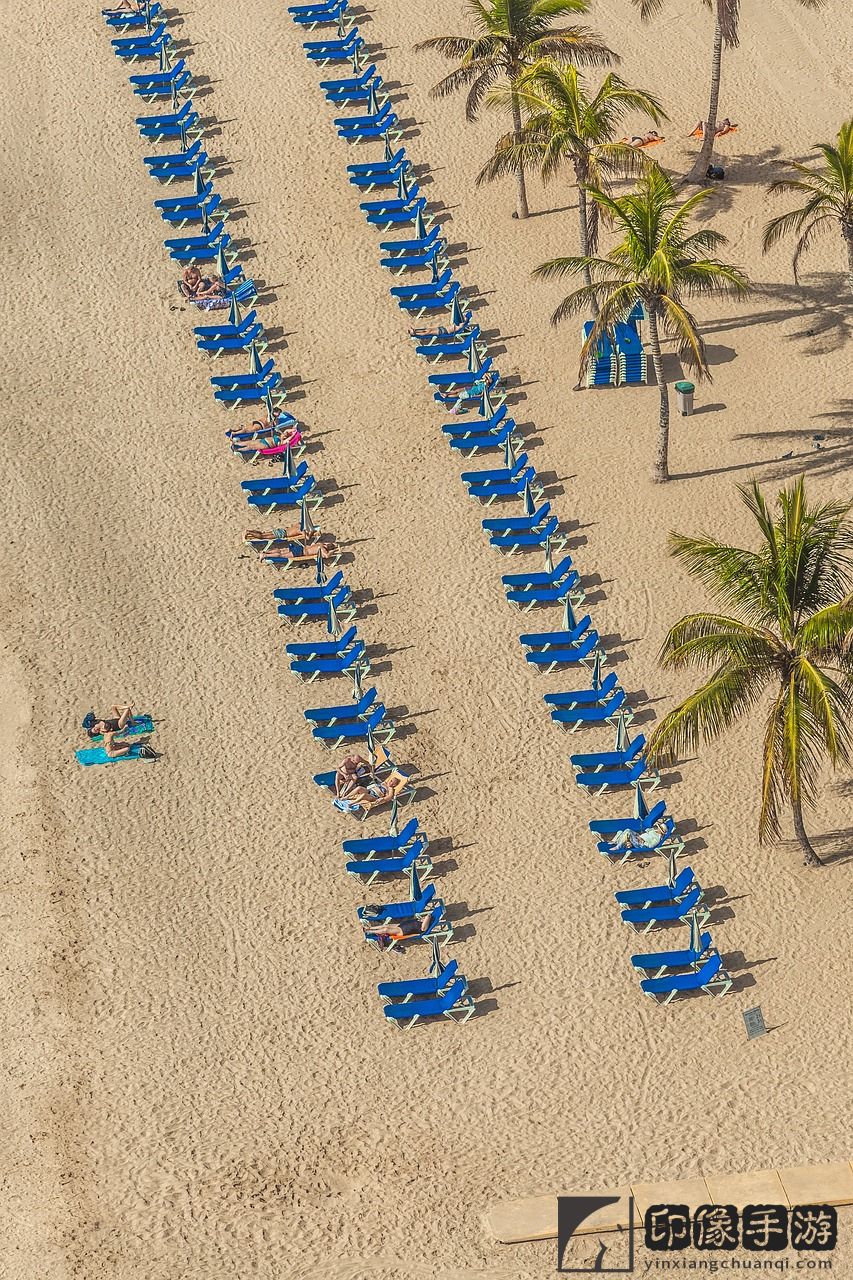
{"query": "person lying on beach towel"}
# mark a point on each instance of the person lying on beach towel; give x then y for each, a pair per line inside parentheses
(126, 6)
(96, 726)
(207, 292)
(650, 139)
(724, 127)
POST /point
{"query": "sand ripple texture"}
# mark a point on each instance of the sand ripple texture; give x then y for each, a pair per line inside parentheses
(197, 1083)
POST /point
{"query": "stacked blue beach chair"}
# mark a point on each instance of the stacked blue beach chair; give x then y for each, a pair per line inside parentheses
(196, 211)
(462, 377)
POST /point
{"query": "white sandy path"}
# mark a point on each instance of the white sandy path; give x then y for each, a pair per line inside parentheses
(226, 1100)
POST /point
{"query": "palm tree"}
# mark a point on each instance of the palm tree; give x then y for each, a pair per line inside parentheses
(510, 36)
(789, 639)
(659, 262)
(726, 16)
(567, 125)
(829, 192)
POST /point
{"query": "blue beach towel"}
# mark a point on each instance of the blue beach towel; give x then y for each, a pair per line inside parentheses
(97, 755)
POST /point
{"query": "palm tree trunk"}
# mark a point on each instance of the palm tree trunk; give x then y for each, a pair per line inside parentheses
(811, 858)
(700, 168)
(847, 232)
(522, 209)
(661, 472)
(583, 219)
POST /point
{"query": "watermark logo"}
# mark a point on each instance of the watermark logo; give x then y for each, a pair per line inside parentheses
(615, 1255)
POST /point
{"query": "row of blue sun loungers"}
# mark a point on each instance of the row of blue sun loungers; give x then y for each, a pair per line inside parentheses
(492, 429)
(364, 720)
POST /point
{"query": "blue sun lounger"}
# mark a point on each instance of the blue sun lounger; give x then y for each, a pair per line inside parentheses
(344, 711)
(322, 648)
(564, 655)
(239, 341)
(227, 330)
(235, 396)
(660, 961)
(616, 777)
(124, 19)
(187, 125)
(539, 597)
(301, 610)
(583, 697)
(711, 978)
(182, 171)
(476, 426)
(206, 249)
(393, 212)
(588, 762)
(280, 483)
(375, 846)
(358, 91)
(430, 259)
(410, 988)
(658, 894)
(228, 381)
(544, 641)
(489, 491)
(378, 178)
(366, 168)
(430, 302)
(395, 912)
(459, 377)
(643, 919)
(471, 445)
(309, 668)
(345, 83)
(97, 755)
(400, 866)
(160, 83)
(193, 212)
(142, 45)
(355, 126)
(435, 926)
(452, 348)
(453, 1003)
(421, 244)
(375, 726)
(182, 116)
(508, 543)
(668, 839)
(177, 157)
(426, 286)
(280, 499)
(168, 89)
(577, 716)
(320, 15)
(175, 203)
(341, 49)
(312, 591)
(545, 578)
(610, 826)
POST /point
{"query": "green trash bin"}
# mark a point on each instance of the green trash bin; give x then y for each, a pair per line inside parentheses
(684, 396)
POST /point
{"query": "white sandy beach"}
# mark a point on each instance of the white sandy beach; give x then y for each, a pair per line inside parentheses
(196, 1079)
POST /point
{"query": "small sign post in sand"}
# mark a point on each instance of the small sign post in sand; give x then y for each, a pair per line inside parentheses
(754, 1022)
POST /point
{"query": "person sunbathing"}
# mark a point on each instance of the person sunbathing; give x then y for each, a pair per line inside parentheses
(107, 727)
(300, 551)
(453, 331)
(350, 775)
(385, 936)
(724, 127)
(649, 839)
(650, 139)
(284, 537)
(126, 6)
(99, 726)
(198, 288)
